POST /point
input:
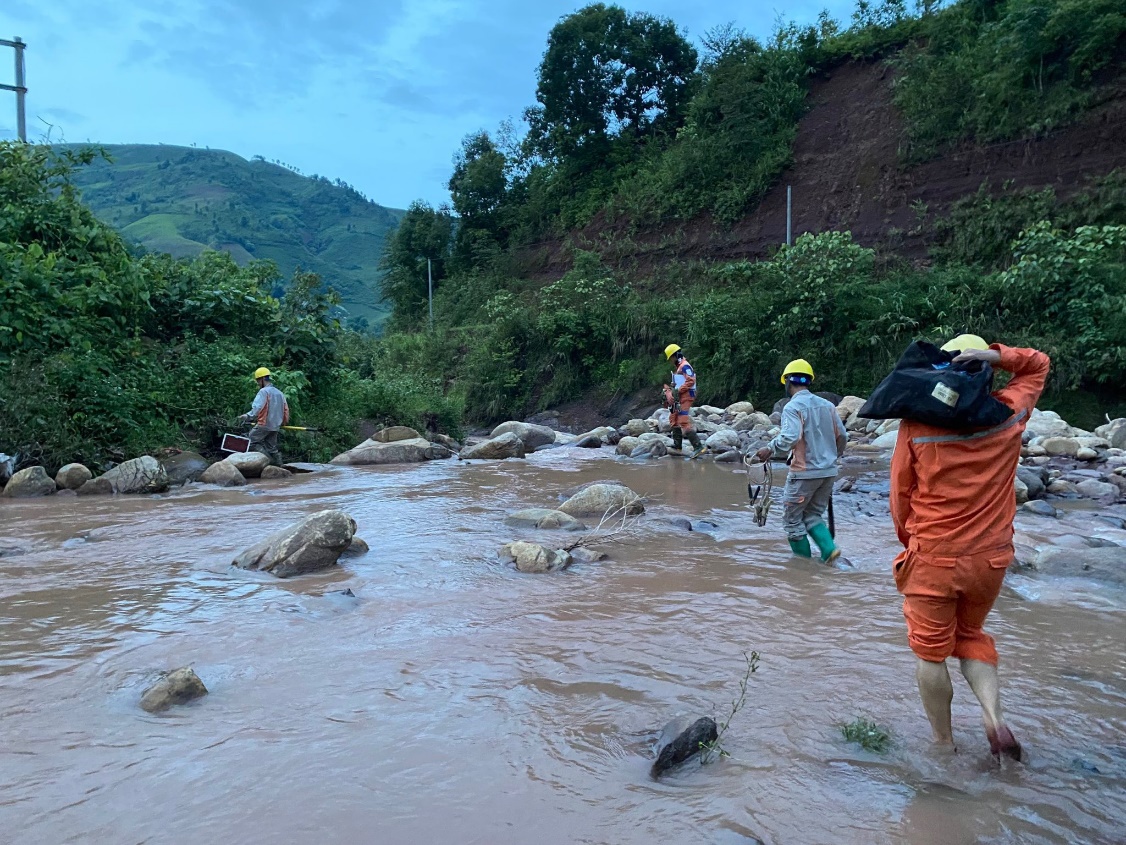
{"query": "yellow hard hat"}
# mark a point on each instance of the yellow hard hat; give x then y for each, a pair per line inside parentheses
(797, 367)
(963, 342)
(670, 349)
(261, 372)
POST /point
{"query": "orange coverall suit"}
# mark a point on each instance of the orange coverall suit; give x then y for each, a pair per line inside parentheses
(953, 504)
(685, 396)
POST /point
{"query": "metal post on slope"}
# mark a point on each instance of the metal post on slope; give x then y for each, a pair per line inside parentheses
(430, 291)
(789, 207)
(20, 88)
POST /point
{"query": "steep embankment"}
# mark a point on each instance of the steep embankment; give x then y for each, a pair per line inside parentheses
(847, 174)
(182, 200)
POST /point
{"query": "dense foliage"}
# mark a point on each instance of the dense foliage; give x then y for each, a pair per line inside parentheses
(1019, 266)
(182, 200)
(825, 298)
(105, 355)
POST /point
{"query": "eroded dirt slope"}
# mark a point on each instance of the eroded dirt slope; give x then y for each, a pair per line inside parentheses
(847, 174)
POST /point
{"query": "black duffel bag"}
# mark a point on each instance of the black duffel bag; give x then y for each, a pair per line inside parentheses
(927, 387)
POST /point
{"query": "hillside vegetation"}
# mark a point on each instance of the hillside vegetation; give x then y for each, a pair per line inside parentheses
(105, 355)
(637, 140)
(183, 200)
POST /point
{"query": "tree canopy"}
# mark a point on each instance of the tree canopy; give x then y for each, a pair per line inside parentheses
(609, 74)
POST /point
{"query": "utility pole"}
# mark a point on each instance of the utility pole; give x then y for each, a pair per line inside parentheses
(430, 292)
(20, 89)
(789, 206)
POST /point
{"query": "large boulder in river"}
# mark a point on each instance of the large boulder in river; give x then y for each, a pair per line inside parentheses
(1103, 564)
(532, 436)
(1047, 424)
(532, 557)
(1034, 481)
(140, 475)
(600, 499)
(72, 476)
(637, 427)
(682, 739)
(1114, 432)
(183, 467)
(274, 473)
(737, 408)
(28, 483)
(544, 518)
(314, 543)
(374, 453)
(507, 445)
(177, 687)
(627, 444)
(250, 464)
(848, 406)
(1060, 446)
(756, 419)
(723, 440)
(887, 441)
(223, 474)
(395, 433)
(1094, 489)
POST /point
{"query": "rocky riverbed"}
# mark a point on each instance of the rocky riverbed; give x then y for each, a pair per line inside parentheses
(423, 684)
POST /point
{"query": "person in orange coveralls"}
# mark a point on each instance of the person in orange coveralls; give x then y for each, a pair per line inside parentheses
(953, 504)
(683, 394)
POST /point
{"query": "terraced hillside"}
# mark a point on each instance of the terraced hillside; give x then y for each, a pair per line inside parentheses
(182, 200)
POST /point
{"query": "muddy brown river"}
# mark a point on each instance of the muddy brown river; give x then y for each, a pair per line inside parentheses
(455, 700)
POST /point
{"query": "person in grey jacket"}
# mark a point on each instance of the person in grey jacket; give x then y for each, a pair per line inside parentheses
(270, 412)
(813, 433)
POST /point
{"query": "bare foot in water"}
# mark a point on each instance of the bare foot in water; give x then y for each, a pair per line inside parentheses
(1002, 741)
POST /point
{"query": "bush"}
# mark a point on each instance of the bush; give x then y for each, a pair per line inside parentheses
(108, 355)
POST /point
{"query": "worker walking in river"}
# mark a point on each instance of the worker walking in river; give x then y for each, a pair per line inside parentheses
(270, 412)
(681, 396)
(814, 436)
(953, 506)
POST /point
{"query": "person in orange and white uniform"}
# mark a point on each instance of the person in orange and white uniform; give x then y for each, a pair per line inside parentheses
(953, 504)
(270, 412)
(683, 396)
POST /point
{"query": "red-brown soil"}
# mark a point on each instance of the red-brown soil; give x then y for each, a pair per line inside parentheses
(847, 174)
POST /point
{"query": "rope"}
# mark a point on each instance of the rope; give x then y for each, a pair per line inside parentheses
(760, 483)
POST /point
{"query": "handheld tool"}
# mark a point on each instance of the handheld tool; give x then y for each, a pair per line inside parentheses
(760, 484)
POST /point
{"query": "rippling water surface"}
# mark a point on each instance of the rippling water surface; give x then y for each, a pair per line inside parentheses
(455, 700)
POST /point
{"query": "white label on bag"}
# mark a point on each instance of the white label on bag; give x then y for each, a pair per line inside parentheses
(945, 395)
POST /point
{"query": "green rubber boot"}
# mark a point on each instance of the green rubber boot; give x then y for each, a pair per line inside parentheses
(824, 540)
(678, 438)
(697, 446)
(801, 547)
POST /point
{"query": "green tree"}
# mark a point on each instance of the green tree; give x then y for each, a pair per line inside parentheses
(478, 187)
(424, 233)
(608, 74)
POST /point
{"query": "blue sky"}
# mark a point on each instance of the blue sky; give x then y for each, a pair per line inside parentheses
(376, 92)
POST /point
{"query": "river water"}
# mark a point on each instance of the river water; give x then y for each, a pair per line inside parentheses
(458, 701)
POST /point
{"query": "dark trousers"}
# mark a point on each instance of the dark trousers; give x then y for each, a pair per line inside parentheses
(265, 442)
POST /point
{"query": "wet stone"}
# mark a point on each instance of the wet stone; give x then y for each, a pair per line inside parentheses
(1039, 508)
(177, 687)
(684, 744)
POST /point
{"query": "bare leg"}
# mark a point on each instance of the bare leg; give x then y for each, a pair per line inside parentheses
(983, 680)
(937, 692)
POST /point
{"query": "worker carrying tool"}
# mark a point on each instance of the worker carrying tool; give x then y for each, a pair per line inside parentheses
(269, 412)
(813, 434)
(953, 507)
(679, 397)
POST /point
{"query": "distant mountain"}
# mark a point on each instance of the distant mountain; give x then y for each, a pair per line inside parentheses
(182, 200)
